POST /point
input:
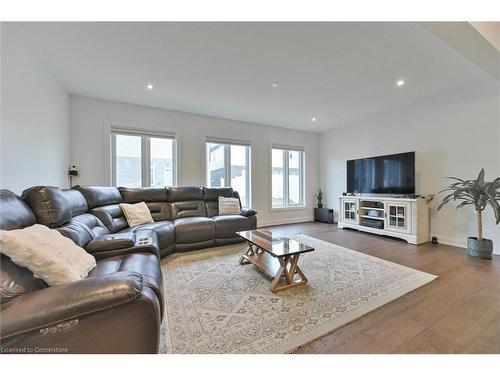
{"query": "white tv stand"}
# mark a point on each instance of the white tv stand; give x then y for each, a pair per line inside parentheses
(405, 218)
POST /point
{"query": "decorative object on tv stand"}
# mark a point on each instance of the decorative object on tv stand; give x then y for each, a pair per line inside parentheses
(319, 197)
(479, 194)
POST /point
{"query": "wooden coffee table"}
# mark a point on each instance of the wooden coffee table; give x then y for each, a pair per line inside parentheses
(277, 257)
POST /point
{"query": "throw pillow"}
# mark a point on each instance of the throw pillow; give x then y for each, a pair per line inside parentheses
(47, 253)
(229, 206)
(136, 214)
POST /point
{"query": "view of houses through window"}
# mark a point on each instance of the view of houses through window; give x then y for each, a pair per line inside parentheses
(287, 177)
(143, 160)
(229, 165)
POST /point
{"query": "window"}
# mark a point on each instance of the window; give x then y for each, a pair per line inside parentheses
(228, 164)
(287, 177)
(143, 160)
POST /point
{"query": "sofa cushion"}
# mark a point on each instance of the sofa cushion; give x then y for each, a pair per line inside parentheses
(194, 229)
(111, 216)
(159, 210)
(155, 198)
(227, 225)
(100, 195)
(213, 194)
(136, 213)
(145, 264)
(91, 222)
(76, 200)
(79, 233)
(187, 209)
(49, 204)
(48, 254)
(14, 212)
(15, 280)
(185, 193)
(163, 229)
(83, 228)
(211, 198)
(136, 195)
(186, 201)
(229, 206)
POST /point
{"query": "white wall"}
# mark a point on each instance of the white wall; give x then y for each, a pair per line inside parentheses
(34, 132)
(91, 120)
(454, 134)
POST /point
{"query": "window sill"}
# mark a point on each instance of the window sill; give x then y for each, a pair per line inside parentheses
(289, 208)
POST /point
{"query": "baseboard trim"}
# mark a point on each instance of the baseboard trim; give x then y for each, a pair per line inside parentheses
(286, 221)
(458, 242)
(445, 240)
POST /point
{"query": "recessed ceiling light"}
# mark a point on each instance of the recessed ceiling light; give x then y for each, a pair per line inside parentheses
(275, 84)
(313, 119)
(149, 86)
(400, 83)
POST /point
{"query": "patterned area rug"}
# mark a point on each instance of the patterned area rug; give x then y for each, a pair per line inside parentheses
(216, 305)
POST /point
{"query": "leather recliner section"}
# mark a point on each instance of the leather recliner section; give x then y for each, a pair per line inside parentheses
(100, 195)
(227, 225)
(76, 200)
(155, 199)
(211, 197)
(164, 231)
(115, 313)
(49, 204)
(144, 241)
(117, 309)
(194, 229)
(14, 212)
(186, 201)
(111, 216)
(147, 265)
(136, 195)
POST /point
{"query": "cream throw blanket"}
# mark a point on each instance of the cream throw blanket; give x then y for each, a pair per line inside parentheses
(47, 253)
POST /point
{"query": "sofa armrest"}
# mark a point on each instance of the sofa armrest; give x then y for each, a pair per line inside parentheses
(67, 303)
(119, 244)
(248, 212)
(111, 242)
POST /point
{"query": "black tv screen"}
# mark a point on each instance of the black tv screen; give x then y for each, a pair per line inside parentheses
(388, 174)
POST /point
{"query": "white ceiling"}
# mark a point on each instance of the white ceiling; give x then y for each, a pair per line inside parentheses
(339, 73)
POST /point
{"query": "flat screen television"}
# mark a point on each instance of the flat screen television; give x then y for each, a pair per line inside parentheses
(388, 174)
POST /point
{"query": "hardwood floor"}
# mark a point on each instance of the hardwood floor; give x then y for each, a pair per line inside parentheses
(457, 313)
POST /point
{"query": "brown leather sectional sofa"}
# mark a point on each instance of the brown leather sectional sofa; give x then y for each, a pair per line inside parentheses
(118, 308)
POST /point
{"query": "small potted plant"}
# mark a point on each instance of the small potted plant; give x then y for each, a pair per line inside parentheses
(319, 197)
(479, 194)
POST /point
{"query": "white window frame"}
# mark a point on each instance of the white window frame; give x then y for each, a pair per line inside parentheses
(145, 153)
(227, 164)
(286, 177)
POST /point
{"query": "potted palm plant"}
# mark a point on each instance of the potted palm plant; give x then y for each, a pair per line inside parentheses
(479, 194)
(319, 197)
